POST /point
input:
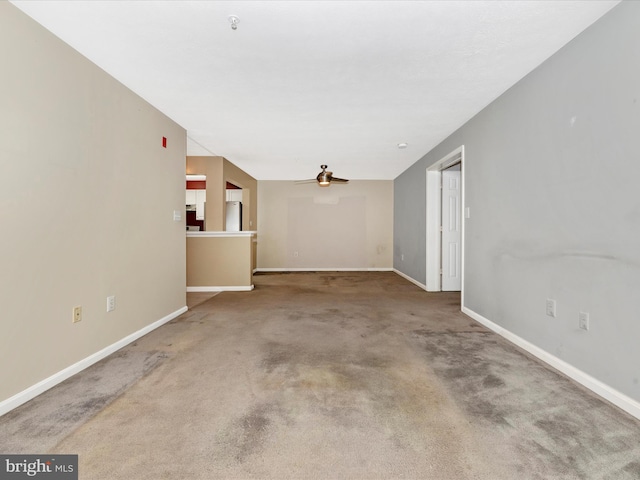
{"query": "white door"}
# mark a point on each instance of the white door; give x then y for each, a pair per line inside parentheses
(451, 231)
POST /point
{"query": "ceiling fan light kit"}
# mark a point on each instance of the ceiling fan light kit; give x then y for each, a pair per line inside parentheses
(324, 177)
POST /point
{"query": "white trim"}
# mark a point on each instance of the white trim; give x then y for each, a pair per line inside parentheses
(433, 212)
(196, 178)
(407, 277)
(434, 220)
(44, 385)
(619, 399)
(463, 210)
(309, 269)
(221, 289)
(244, 233)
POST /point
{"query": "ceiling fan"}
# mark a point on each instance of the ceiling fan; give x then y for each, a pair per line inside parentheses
(325, 178)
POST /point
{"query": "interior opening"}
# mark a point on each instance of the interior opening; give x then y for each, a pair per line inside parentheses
(233, 208)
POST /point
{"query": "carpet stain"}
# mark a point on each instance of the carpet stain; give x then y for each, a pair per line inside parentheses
(44, 423)
(552, 431)
(632, 468)
(252, 432)
(488, 412)
(323, 377)
(558, 428)
(492, 381)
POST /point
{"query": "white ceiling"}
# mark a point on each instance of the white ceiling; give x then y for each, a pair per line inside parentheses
(301, 83)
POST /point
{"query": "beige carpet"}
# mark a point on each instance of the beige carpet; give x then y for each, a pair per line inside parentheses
(327, 376)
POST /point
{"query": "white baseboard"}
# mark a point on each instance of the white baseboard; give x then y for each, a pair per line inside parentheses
(308, 269)
(619, 399)
(407, 277)
(221, 289)
(44, 385)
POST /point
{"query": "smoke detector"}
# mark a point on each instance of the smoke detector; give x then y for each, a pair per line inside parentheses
(234, 21)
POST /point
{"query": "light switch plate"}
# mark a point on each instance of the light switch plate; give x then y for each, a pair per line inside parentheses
(583, 320)
(111, 303)
(551, 307)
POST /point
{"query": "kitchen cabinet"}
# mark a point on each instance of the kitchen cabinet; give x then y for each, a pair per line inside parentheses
(199, 199)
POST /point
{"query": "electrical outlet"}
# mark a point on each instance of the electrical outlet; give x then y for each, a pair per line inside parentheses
(77, 314)
(583, 320)
(111, 303)
(551, 307)
(402, 257)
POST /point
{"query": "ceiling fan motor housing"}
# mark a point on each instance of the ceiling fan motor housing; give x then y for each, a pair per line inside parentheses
(324, 177)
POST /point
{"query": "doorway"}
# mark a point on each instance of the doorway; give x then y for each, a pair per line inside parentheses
(445, 249)
(233, 208)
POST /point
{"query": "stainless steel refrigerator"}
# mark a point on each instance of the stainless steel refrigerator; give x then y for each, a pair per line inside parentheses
(234, 217)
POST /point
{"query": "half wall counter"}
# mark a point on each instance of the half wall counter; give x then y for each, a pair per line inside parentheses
(220, 261)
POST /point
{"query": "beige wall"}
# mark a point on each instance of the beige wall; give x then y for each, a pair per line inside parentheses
(219, 171)
(87, 195)
(219, 261)
(342, 226)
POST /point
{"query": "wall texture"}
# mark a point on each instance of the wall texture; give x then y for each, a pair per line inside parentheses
(87, 195)
(551, 183)
(304, 226)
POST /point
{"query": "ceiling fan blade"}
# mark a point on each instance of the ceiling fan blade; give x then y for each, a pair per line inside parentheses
(339, 180)
(310, 180)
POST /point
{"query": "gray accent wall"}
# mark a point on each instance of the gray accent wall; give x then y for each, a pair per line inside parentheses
(551, 172)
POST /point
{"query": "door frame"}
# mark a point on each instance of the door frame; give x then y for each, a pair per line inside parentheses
(434, 219)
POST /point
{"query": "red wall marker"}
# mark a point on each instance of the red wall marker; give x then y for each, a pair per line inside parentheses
(164, 142)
